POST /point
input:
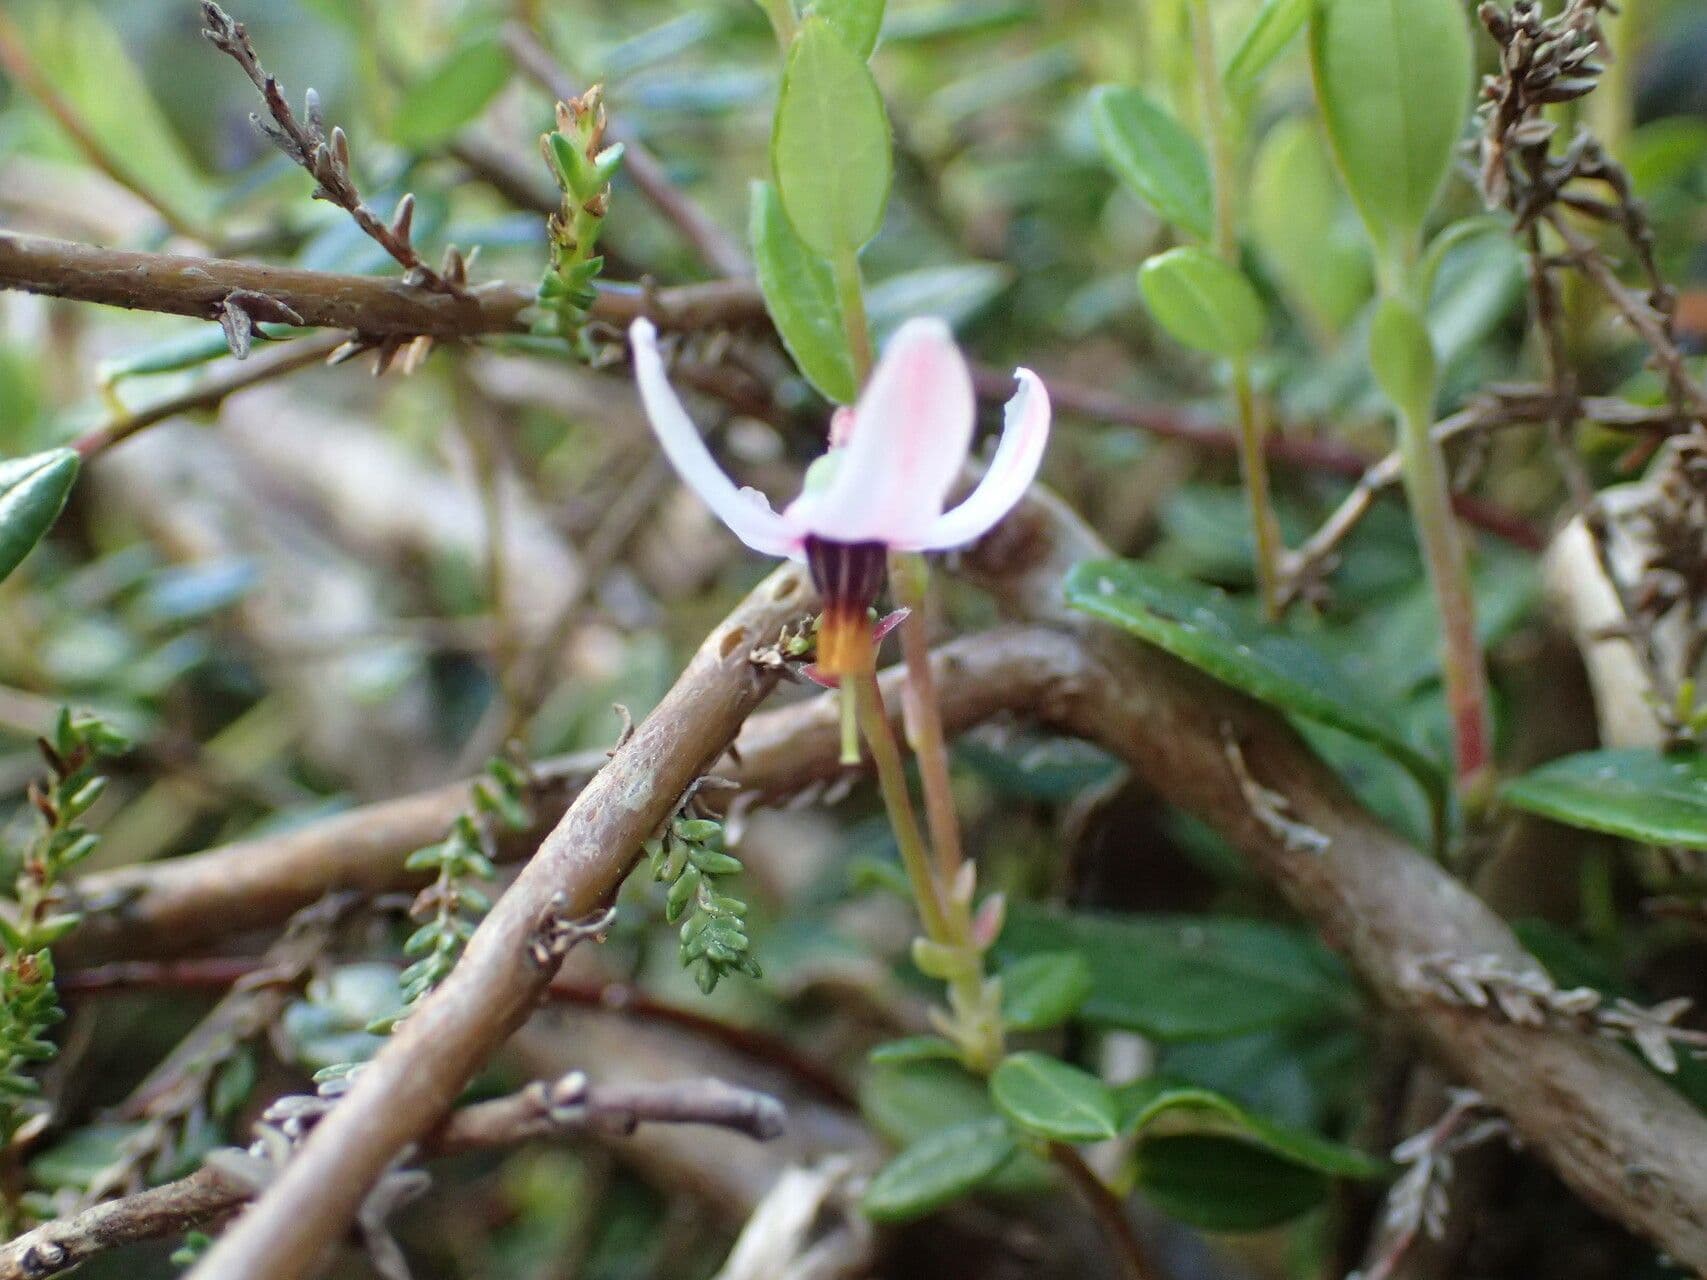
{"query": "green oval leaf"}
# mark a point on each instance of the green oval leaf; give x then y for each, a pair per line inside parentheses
(1177, 978)
(1393, 80)
(1630, 792)
(451, 94)
(830, 143)
(33, 490)
(938, 1168)
(1156, 1108)
(1202, 302)
(800, 294)
(1152, 153)
(1223, 1184)
(1043, 991)
(1221, 636)
(1304, 229)
(1401, 355)
(1054, 1100)
(1271, 30)
(914, 1049)
(857, 22)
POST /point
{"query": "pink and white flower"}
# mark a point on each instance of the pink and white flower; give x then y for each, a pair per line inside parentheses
(884, 482)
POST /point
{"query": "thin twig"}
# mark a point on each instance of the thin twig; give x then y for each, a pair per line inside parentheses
(210, 392)
(1109, 1211)
(508, 963)
(565, 1107)
(326, 158)
(372, 306)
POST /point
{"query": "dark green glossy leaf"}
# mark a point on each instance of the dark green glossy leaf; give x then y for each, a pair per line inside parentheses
(1054, 1100)
(1043, 991)
(33, 490)
(1631, 792)
(1221, 636)
(1160, 1108)
(937, 1169)
(800, 295)
(1223, 1184)
(1154, 155)
(1179, 978)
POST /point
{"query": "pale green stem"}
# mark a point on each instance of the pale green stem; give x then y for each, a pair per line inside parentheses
(1253, 463)
(909, 582)
(892, 782)
(849, 700)
(975, 1002)
(1443, 552)
(850, 297)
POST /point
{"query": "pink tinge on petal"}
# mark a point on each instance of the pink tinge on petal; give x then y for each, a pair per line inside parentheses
(1025, 433)
(745, 511)
(910, 433)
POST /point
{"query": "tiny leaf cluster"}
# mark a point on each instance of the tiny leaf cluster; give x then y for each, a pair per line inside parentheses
(583, 167)
(29, 1003)
(452, 905)
(691, 859)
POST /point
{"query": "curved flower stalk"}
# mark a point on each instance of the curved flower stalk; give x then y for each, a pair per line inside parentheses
(881, 486)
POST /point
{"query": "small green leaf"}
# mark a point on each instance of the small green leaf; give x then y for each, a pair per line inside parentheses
(914, 1049)
(1202, 302)
(1178, 978)
(1401, 355)
(800, 295)
(1043, 991)
(451, 94)
(1630, 792)
(1393, 80)
(1152, 153)
(1156, 1108)
(1222, 1184)
(857, 22)
(830, 143)
(33, 490)
(937, 1169)
(1054, 1100)
(1273, 28)
(1305, 230)
(1220, 636)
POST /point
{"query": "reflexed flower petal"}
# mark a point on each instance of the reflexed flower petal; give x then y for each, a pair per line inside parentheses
(745, 511)
(911, 431)
(1025, 432)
